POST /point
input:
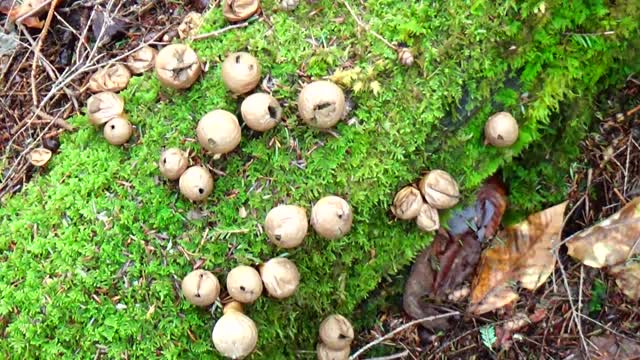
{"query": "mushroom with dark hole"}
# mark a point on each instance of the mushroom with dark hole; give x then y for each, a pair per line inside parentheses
(238, 10)
(177, 66)
(428, 218)
(173, 162)
(244, 284)
(440, 189)
(200, 287)
(407, 203)
(331, 217)
(336, 332)
(113, 77)
(104, 106)
(501, 130)
(234, 335)
(261, 112)
(240, 72)
(286, 225)
(142, 60)
(280, 277)
(321, 104)
(218, 132)
(118, 130)
(326, 353)
(196, 183)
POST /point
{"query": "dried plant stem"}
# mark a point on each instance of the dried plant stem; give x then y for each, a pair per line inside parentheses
(366, 27)
(220, 31)
(36, 51)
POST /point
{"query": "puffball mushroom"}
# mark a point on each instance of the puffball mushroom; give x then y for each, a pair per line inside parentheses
(142, 60)
(407, 203)
(173, 162)
(286, 225)
(331, 217)
(240, 72)
(238, 10)
(118, 130)
(280, 277)
(196, 183)
(200, 287)
(326, 353)
(234, 335)
(218, 132)
(244, 284)
(501, 130)
(177, 66)
(103, 107)
(321, 104)
(440, 189)
(261, 112)
(113, 77)
(336, 332)
(428, 218)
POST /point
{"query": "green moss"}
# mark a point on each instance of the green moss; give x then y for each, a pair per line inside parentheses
(100, 231)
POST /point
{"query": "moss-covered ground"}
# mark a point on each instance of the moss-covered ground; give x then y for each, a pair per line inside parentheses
(92, 251)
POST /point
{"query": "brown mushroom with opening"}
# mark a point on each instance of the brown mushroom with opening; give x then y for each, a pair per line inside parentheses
(196, 183)
(286, 225)
(201, 287)
(321, 104)
(331, 217)
(240, 72)
(440, 189)
(142, 60)
(177, 66)
(244, 284)
(234, 335)
(238, 10)
(218, 132)
(173, 162)
(261, 112)
(113, 77)
(336, 332)
(501, 130)
(280, 277)
(407, 203)
(104, 106)
(326, 353)
(118, 130)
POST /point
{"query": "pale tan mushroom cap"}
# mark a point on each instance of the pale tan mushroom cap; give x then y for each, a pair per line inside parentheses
(200, 287)
(280, 277)
(326, 353)
(331, 217)
(113, 77)
(240, 72)
(321, 104)
(177, 66)
(286, 225)
(336, 332)
(244, 284)
(440, 189)
(190, 25)
(428, 218)
(407, 203)
(261, 112)
(118, 131)
(501, 130)
(196, 183)
(104, 106)
(218, 132)
(237, 10)
(235, 335)
(173, 162)
(142, 60)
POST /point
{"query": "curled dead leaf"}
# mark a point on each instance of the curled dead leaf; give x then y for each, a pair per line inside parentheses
(39, 156)
(521, 254)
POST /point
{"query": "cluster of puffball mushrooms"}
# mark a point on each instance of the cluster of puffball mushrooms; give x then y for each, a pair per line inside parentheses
(235, 335)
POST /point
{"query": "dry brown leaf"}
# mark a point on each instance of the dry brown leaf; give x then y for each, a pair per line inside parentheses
(610, 242)
(610, 347)
(523, 254)
(628, 279)
(39, 156)
(35, 7)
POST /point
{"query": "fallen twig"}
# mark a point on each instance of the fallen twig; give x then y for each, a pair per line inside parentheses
(220, 31)
(36, 51)
(391, 357)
